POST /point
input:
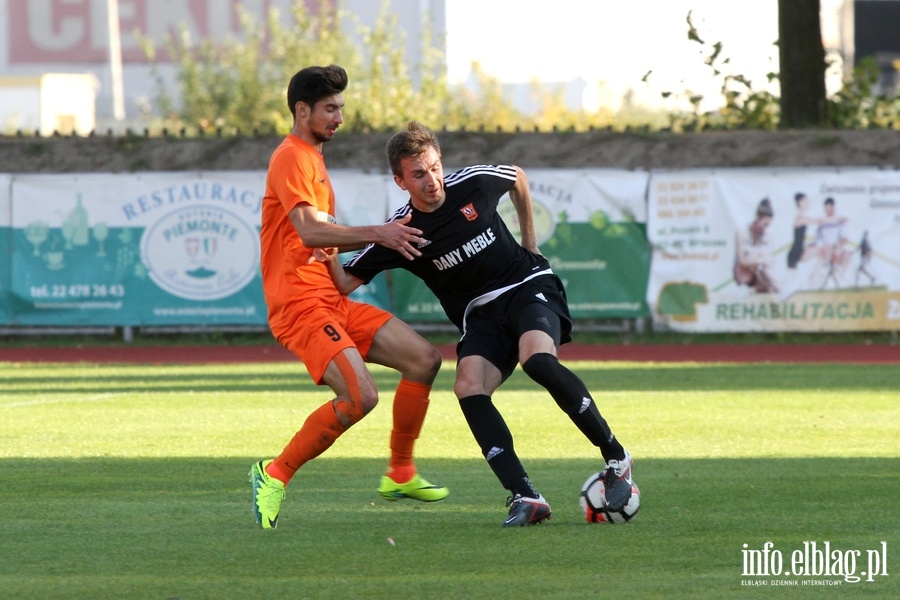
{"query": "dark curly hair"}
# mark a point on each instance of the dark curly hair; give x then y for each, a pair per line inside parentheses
(311, 84)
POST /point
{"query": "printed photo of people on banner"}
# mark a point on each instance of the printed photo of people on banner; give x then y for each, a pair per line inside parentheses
(775, 250)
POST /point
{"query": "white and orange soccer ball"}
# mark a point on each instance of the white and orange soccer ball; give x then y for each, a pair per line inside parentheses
(593, 502)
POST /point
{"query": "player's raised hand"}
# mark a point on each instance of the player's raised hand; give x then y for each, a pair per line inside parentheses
(396, 235)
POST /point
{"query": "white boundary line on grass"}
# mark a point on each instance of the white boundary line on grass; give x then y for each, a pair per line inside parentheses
(41, 401)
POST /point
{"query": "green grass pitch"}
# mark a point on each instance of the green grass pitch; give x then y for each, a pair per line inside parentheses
(131, 482)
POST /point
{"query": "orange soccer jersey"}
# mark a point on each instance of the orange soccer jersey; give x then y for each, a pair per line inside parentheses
(307, 314)
(297, 175)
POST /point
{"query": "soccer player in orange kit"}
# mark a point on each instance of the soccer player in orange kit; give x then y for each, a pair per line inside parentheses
(331, 334)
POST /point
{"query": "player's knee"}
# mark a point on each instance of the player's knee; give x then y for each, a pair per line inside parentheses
(351, 410)
(465, 387)
(429, 365)
(369, 401)
(542, 368)
(433, 362)
(358, 401)
(426, 366)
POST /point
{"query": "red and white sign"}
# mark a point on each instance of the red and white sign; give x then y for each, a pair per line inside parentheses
(75, 31)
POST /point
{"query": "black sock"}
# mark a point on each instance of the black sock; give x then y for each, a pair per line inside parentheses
(496, 443)
(572, 396)
(524, 488)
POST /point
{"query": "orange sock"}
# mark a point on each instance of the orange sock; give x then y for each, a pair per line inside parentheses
(318, 433)
(410, 406)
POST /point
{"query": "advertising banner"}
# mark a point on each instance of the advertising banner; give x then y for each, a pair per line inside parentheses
(66, 32)
(362, 199)
(6, 298)
(590, 225)
(151, 249)
(783, 250)
(137, 249)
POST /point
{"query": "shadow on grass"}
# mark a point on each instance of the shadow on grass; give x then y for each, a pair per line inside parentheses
(104, 527)
(598, 376)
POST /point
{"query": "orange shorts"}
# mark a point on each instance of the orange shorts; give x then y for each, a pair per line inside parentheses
(321, 330)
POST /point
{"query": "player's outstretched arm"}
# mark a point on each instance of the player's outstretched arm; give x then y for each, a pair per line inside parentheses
(395, 235)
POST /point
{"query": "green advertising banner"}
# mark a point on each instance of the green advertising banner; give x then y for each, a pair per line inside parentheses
(591, 226)
(148, 249)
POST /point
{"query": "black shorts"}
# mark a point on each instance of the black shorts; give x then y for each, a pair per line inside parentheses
(493, 330)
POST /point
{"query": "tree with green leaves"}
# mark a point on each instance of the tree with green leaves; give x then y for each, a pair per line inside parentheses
(239, 84)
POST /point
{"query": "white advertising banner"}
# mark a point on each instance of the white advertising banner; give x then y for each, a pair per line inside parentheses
(363, 199)
(6, 310)
(775, 250)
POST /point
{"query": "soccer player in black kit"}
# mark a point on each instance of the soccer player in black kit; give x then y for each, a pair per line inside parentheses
(503, 296)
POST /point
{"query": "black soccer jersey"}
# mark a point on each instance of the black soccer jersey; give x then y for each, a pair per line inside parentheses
(470, 256)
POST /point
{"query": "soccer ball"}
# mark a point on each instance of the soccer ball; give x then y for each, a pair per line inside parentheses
(593, 502)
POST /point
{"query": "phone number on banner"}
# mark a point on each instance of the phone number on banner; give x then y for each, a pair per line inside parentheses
(80, 290)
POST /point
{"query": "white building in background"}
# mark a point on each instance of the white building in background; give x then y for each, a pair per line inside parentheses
(70, 39)
(48, 103)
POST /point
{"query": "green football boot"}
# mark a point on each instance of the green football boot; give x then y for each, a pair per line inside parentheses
(268, 493)
(416, 488)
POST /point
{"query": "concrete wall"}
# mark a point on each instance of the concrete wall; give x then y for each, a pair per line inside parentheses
(537, 150)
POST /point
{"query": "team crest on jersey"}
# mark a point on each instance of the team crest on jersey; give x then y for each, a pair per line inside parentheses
(468, 212)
